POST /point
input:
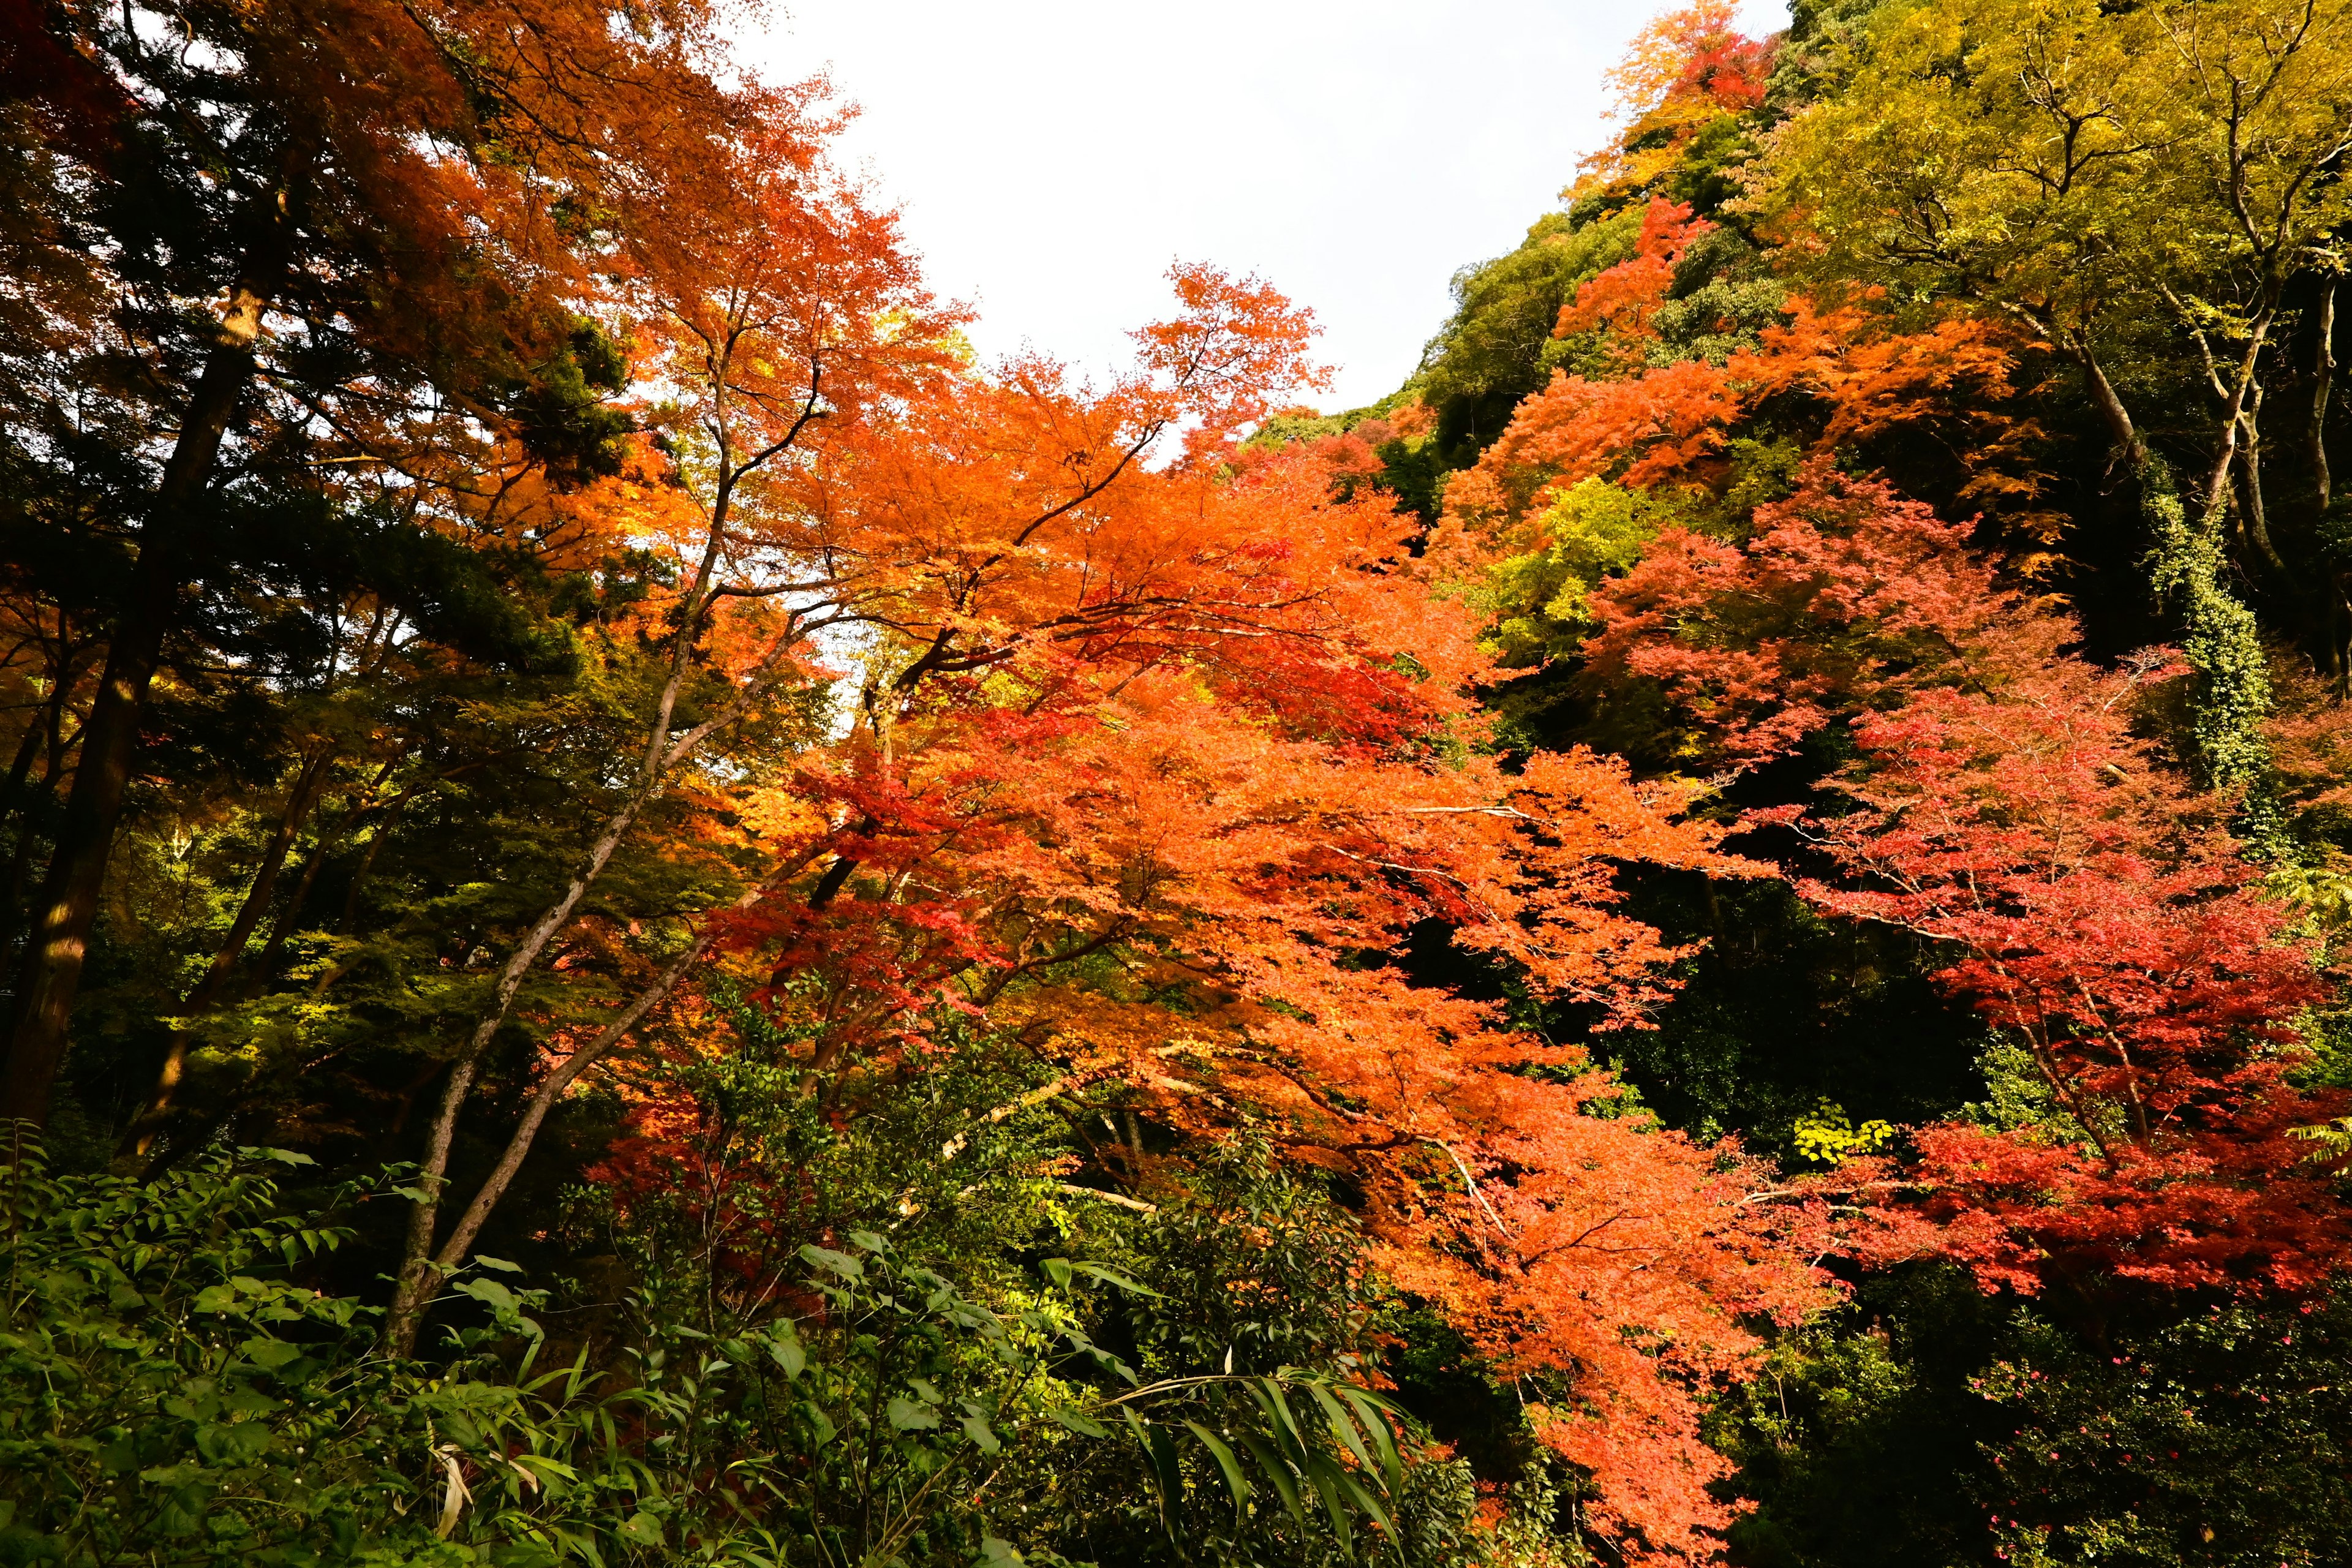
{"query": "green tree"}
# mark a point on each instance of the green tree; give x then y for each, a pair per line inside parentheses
(240, 182)
(2135, 186)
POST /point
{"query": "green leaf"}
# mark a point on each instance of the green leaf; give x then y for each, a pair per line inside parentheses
(1235, 1482)
(869, 1241)
(1078, 1421)
(1171, 1484)
(1371, 1411)
(1112, 1276)
(500, 1264)
(541, 1464)
(488, 1292)
(642, 1529)
(1276, 1472)
(1342, 1424)
(1058, 1270)
(1286, 1434)
(1167, 1476)
(184, 1511)
(270, 1354)
(839, 1263)
(232, 1442)
(908, 1417)
(982, 1438)
(1326, 1477)
(1365, 1503)
(995, 1553)
(786, 1352)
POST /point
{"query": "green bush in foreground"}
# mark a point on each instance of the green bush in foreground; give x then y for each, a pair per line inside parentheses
(172, 1393)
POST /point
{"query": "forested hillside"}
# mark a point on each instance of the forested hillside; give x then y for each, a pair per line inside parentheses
(656, 917)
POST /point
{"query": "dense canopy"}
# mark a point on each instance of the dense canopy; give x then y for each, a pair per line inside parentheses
(656, 917)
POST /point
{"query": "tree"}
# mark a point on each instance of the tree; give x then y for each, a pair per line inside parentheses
(2101, 919)
(2092, 174)
(2093, 907)
(1844, 600)
(241, 204)
(1687, 98)
(834, 533)
(1148, 762)
(785, 309)
(1684, 75)
(1846, 372)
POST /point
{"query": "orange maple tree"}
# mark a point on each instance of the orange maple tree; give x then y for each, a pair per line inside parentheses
(1672, 424)
(1155, 754)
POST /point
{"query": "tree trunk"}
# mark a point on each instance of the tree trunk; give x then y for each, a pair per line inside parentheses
(2249, 468)
(2109, 403)
(330, 840)
(419, 1276)
(67, 906)
(26, 750)
(550, 1088)
(20, 805)
(2323, 378)
(2236, 416)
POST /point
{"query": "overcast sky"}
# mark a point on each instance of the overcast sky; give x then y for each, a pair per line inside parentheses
(1053, 158)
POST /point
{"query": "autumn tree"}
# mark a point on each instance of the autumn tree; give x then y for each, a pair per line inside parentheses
(1690, 104)
(803, 335)
(1685, 74)
(1851, 376)
(776, 319)
(2074, 169)
(2089, 902)
(1139, 773)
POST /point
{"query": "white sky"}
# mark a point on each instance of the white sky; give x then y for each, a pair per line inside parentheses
(1052, 158)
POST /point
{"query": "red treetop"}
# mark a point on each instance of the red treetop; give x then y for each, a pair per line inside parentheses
(2099, 915)
(1685, 69)
(1621, 300)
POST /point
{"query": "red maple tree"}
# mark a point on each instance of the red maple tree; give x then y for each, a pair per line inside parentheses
(2099, 914)
(1845, 597)
(2089, 900)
